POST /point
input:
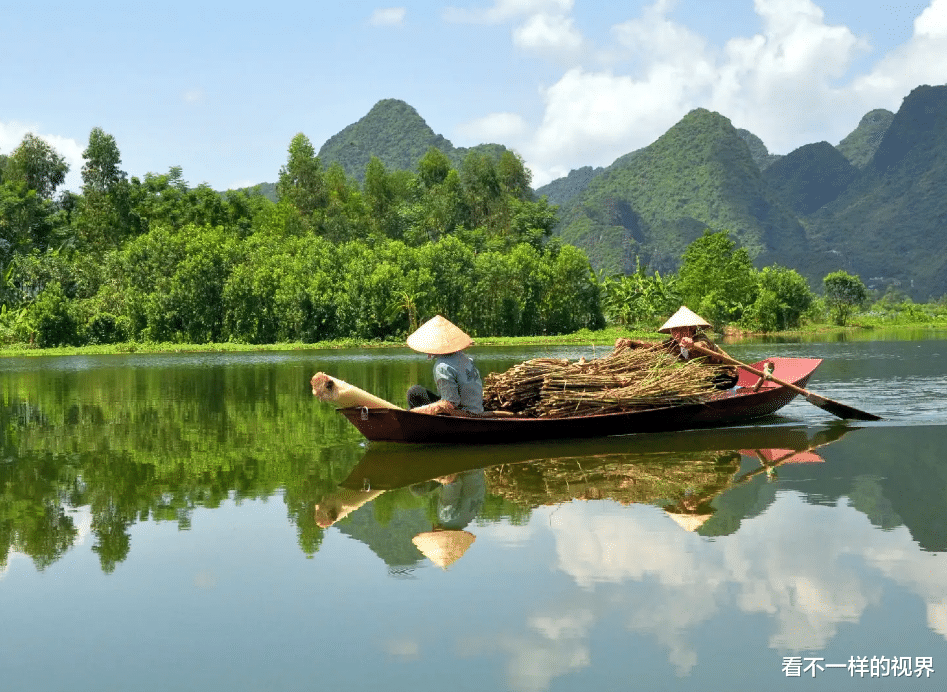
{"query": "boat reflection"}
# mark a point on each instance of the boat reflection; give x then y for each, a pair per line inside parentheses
(681, 472)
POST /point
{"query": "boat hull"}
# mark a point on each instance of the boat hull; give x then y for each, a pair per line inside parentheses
(727, 408)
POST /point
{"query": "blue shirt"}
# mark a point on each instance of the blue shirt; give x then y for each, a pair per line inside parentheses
(458, 381)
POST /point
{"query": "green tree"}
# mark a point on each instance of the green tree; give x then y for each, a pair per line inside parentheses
(385, 192)
(160, 199)
(104, 214)
(717, 279)
(283, 289)
(173, 283)
(844, 295)
(433, 168)
(639, 298)
(51, 318)
(301, 180)
(26, 220)
(439, 209)
(38, 165)
(346, 215)
(784, 296)
(101, 172)
(483, 191)
(515, 178)
(575, 303)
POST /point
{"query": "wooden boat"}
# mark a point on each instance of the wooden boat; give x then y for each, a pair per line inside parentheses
(390, 466)
(745, 403)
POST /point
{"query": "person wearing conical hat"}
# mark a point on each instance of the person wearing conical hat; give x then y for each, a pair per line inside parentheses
(459, 386)
(686, 328)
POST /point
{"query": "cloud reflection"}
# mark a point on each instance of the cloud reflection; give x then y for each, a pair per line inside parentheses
(809, 568)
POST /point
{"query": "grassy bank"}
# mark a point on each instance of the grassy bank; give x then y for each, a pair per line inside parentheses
(600, 337)
(864, 327)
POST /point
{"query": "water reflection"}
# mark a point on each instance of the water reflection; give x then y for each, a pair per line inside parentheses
(183, 494)
(682, 473)
(799, 549)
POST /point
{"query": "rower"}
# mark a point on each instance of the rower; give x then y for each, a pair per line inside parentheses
(459, 386)
(686, 328)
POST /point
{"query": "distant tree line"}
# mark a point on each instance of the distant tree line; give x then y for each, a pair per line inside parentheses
(719, 282)
(153, 259)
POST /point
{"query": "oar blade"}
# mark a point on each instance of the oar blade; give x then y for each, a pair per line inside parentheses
(839, 409)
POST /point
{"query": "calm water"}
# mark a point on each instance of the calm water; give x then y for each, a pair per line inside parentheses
(201, 522)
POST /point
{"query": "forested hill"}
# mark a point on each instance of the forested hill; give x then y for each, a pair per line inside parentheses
(811, 176)
(871, 205)
(890, 224)
(651, 205)
(860, 146)
(874, 205)
(395, 133)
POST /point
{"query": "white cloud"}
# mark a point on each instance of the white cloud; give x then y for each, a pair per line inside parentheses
(932, 22)
(548, 33)
(592, 118)
(790, 84)
(922, 60)
(388, 16)
(496, 127)
(12, 133)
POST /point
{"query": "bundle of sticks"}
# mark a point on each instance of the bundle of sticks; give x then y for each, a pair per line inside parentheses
(628, 379)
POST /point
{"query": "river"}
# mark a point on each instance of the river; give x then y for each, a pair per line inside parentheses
(201, 522)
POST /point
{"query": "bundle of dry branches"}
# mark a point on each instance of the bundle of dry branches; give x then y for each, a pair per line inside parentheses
(628, 379)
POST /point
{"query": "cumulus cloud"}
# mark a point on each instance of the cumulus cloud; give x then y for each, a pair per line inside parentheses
(12, 133)
(388, 16)
(496, 127)
(790, 83)
(553, 34)
(922, 60)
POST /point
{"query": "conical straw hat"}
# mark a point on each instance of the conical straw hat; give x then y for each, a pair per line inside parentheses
(689, 522)
(443, 548)
(439, 336)
(683, 318)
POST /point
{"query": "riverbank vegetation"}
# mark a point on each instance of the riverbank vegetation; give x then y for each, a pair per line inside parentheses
(154, 264)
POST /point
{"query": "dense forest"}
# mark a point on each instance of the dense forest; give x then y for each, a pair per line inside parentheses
(153, 259)
(389, 224)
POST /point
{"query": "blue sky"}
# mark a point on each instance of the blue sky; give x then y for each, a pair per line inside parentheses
(220, 89)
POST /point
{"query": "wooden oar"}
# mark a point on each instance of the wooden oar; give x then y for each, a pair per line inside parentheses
(834, 407)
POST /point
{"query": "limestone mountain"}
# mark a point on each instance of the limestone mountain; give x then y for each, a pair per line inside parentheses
(395, 133)
(890, 225)
(561, 190)
(758, 150)
(860, 145)
(810, 177)
(700, 174)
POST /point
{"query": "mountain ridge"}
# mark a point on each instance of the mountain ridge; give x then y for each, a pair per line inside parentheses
(869, 205)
